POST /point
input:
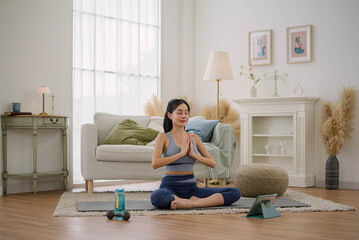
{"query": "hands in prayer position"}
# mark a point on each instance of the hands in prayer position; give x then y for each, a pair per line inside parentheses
(187, 147)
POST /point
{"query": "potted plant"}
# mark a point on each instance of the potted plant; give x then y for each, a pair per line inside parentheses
(336, 121)
(250, 74)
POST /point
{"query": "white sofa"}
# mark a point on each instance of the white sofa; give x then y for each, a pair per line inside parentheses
(133, 162)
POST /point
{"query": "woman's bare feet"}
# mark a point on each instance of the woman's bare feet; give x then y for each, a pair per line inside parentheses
(211, 201)
(181, 203)
(194, 198)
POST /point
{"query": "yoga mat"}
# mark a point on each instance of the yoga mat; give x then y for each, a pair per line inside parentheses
(102, 206)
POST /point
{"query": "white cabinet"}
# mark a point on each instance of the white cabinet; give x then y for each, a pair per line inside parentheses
(279, 131)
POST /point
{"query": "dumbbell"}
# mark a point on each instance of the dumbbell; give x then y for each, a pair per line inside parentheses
(111, 214)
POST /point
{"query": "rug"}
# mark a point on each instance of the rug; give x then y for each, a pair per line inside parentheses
(67, 204)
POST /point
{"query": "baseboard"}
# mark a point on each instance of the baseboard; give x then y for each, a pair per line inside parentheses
(27, 186)
(342, 184)
(301, 181)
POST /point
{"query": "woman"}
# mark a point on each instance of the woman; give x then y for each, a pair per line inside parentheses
(178, 151)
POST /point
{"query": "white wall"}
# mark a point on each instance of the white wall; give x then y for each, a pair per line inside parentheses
(36, 49)
(223, 25)
(177, 49)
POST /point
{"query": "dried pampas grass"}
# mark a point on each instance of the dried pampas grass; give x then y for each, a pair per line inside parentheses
(347, 100)
(332, 128)
(226, 115)
(336, 121)
(188, 101)
(153, 107)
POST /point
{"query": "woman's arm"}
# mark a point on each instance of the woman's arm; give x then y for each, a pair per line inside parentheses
(206, 158)
(158, 160)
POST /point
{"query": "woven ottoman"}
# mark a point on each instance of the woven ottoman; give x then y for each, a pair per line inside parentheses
(261, 179)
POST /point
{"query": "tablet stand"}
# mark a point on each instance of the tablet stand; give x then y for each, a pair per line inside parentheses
(267, 211)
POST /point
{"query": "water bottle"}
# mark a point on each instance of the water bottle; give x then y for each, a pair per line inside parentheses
(119, 202)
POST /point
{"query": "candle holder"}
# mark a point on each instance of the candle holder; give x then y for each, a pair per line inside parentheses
(276, 76)
(53, 104)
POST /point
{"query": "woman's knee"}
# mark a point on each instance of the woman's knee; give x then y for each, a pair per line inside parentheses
(161, 198)
(236, 193)
(231, 195)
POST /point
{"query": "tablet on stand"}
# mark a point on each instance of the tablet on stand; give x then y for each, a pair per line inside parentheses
(263, 207)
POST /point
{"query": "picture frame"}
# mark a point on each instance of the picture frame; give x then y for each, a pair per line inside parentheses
(260, 47)
(299, 44)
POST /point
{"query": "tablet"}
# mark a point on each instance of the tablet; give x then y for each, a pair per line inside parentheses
(256, 208)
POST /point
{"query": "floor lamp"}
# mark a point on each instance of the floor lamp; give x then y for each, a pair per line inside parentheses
(218, 69)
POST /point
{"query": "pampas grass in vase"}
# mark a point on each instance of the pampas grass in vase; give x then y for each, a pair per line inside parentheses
(153, 107)
(336, 126)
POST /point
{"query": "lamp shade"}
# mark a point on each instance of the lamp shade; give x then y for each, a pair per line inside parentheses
(218, 67)
(43, 89)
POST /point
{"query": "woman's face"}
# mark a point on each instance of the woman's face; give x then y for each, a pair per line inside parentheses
(180, 115)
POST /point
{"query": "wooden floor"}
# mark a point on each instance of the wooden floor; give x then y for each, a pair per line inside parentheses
(29, 216)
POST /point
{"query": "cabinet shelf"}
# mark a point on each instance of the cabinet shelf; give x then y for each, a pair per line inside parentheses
(271, 155)
(283, 125)
(272, 135)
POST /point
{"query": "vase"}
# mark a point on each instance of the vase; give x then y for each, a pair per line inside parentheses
(253, 92)
(332, 173)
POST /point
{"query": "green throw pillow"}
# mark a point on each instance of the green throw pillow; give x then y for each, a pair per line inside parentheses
(128, 132)
(203, 128)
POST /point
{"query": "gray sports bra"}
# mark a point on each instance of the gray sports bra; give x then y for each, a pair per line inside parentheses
(184, 163)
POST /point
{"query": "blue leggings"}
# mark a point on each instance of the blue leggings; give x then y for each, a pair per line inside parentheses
(185, 186)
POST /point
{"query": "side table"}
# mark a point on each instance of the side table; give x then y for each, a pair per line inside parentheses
(34, 122)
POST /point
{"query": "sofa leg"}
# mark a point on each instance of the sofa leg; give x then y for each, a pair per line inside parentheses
(89, 186)
(205, 182)
(222, 182)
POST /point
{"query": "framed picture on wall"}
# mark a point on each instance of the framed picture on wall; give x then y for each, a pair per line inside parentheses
(299, 44)
(260, 47)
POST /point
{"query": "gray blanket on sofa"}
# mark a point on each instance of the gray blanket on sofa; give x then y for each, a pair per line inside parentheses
(223, 151)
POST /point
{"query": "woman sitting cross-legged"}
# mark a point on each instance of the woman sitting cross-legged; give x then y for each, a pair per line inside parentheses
(178, 151)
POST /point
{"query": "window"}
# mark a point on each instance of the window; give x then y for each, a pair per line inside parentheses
(116, 61)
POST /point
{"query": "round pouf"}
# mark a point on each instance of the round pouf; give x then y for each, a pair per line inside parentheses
(261, 179)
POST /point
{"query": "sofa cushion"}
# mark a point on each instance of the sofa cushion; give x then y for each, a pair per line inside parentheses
(124, 153)
(106, 122)
(128, 132)
(154, 125)
(203, 128)
(158, 120)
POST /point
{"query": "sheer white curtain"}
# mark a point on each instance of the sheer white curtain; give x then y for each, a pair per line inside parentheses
(116, 61)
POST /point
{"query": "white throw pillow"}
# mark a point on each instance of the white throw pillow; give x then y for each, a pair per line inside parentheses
(157, 127)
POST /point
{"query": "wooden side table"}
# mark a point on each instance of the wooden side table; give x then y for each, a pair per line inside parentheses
(34, 122)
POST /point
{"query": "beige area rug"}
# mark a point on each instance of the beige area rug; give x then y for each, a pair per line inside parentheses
(67, 203)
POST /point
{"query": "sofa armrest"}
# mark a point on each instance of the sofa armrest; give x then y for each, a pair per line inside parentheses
(89, 164)
(220, 132)
(223, 149)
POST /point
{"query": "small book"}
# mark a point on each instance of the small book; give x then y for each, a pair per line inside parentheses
(17, 113)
